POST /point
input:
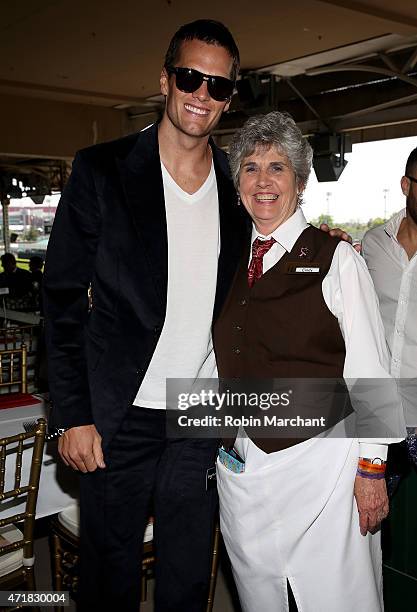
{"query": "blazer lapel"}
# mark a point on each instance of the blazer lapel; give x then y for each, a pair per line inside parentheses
(234, 229)
(141, 178)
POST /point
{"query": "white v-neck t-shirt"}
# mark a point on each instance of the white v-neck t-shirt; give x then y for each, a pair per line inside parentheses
(185, 347)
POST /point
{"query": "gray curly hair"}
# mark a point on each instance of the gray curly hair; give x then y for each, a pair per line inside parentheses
(273, 129)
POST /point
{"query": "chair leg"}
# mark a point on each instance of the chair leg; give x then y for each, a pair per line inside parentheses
(214, 568)
(56, 566)
(144, 586)
(30, 579)
(147, 562)
(31, 584)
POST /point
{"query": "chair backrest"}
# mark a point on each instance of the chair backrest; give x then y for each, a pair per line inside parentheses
(14, 336)
(13, 448)
(13, 369)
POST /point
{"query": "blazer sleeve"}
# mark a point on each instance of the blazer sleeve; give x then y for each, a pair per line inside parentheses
(69, 269)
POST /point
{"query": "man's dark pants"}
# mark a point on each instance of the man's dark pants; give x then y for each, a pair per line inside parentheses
(146, 473)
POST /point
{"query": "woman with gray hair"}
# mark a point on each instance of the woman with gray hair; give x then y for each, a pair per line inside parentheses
(297, 512)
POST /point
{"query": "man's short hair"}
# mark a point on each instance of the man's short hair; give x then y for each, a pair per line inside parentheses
(208, 31)
(411, 164)
(7, 257)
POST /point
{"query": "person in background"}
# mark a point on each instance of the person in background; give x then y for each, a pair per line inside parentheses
(35, 267)
(18, 281)
(390, 252)
(302, 515)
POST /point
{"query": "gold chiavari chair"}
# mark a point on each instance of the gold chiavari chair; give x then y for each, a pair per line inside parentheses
(214, 568)
(64, 546)
(13, 337)
(13, 369)
(29, 335)
(16, 546)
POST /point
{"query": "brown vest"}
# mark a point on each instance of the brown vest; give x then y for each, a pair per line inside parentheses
(282, 328)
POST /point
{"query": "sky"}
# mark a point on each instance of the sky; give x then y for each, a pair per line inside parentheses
(359, 192)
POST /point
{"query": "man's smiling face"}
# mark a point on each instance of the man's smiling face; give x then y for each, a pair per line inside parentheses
(196, 114)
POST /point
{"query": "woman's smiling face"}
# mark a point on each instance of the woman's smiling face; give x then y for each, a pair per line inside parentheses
(268, 188)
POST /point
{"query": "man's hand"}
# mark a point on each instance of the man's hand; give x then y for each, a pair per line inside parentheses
(372, 501)
(336, 232)
(339, 233)
(80, 448)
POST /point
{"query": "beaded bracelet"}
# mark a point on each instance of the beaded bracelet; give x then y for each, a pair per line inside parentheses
(369, 468)
(56, 433)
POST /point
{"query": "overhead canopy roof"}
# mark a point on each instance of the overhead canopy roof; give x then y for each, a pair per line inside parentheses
(110, 51)
(76, 72)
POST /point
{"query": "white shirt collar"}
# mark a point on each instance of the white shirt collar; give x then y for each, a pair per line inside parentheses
(288, 233)
(394, 223)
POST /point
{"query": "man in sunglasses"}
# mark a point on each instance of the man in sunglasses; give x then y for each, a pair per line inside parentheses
(390, 252)
(149, 223)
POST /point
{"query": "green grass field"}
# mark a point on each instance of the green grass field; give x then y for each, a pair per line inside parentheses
(23, 263)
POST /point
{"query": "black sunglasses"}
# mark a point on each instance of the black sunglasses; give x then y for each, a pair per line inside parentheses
(411, 178)
(189, 80)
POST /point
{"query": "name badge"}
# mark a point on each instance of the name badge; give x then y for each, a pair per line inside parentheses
(294, 267)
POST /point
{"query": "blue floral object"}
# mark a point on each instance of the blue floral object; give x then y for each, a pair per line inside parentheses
(411, 441)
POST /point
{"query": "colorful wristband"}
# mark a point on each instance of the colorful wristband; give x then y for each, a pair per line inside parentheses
(365, 474)
(371, 468)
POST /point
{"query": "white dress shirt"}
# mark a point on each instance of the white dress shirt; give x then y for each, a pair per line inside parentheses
(395, 280)
(349, 294)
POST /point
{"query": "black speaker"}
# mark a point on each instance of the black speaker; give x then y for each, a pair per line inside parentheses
(328, 167)
(329, 155)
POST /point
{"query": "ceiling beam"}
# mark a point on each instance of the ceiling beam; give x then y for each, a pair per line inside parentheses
(362, 68)
(373, 11)
(386, 118)
(306, 102)
(379, 119)
(379, 107)
(395, 123)
(411, 62)
(389, 62)
(78, 94)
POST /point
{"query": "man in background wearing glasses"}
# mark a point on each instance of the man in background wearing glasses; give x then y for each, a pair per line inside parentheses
(390, 252)
(150, 222)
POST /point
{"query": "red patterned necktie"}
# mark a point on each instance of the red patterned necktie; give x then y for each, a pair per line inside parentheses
(259, 249)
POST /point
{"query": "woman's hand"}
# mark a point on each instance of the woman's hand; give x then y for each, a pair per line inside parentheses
(372, 501)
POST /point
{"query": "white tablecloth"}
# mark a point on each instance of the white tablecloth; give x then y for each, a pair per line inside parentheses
(58, 485)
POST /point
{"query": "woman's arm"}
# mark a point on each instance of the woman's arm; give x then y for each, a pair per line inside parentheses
(349, 294)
